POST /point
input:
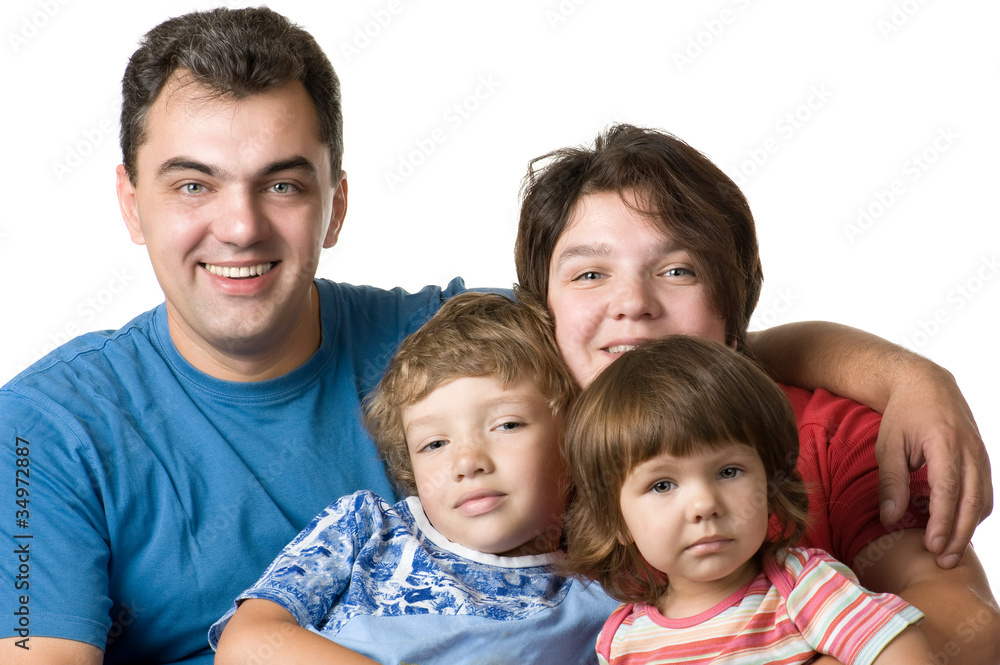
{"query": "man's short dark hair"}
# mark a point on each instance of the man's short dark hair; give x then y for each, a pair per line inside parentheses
(236, 53)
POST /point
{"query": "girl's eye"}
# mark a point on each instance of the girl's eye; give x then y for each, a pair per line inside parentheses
(662, 487)
(729, 472)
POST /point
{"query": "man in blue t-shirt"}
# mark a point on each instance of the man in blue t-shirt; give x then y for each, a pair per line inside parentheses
(158, 469)
(164, 465)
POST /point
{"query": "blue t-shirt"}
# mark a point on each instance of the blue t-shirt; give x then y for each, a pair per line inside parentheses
(384, 582)
(153, 493)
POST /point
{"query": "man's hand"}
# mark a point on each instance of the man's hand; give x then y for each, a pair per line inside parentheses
(927, 421)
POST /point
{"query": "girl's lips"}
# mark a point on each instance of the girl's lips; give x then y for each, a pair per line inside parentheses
(709, 545)
(479, 502)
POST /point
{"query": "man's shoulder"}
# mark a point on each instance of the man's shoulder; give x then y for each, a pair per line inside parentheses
(96, 355)
(363, 293)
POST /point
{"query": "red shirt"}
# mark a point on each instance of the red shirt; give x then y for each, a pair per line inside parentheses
(837, 462)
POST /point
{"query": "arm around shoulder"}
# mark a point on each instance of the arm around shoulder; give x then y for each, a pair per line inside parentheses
(261, 626)
(925, 420)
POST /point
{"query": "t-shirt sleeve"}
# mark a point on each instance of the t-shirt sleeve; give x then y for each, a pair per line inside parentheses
(837, 460)
(380, 320)
(53, 523)
(834, 614)
(609, 630)
(311, 573)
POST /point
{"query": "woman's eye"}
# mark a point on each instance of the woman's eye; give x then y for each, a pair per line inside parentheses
(588, 276)
(679, 272)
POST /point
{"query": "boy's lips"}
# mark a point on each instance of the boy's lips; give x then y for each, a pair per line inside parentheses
(479, 502)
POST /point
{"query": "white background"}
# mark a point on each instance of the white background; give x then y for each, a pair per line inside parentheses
(818, 110)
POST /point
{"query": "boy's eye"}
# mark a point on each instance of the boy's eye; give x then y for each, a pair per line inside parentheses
(509, 426)
(662, 487)
(434, 445)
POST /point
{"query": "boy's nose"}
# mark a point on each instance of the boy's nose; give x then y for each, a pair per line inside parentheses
(471, 459)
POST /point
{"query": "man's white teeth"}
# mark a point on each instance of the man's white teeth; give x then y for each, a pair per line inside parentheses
(621, 348)
(241, 271)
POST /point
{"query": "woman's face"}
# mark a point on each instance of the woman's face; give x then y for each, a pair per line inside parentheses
(615, 280)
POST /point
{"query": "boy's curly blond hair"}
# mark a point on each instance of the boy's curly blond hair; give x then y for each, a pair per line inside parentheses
(472, 335)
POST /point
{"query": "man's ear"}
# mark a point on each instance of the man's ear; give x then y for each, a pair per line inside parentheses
(338, 213)
(127, 205)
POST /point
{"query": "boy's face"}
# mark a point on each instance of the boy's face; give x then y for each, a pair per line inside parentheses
(616, 280)
(699, 518)
(487, 465)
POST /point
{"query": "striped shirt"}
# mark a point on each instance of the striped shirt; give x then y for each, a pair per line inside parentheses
(809, 603)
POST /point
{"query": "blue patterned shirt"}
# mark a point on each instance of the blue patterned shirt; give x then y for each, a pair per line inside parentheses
(380, 580)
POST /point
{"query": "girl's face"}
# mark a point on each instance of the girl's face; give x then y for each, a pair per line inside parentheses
(699, 519)
(615, 280)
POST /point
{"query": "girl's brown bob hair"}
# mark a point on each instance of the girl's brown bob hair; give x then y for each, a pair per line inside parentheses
(672, 396)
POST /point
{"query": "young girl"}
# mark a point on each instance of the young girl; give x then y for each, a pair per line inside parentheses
(697, 449)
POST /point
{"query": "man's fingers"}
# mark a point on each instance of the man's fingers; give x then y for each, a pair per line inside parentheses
(893, 483)
(974, 504)
(945, 479)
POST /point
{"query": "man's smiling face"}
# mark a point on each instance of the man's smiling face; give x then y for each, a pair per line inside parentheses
(234, 200)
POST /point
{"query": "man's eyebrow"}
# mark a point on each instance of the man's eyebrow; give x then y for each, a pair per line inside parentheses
(185, 164)
(296, 163)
